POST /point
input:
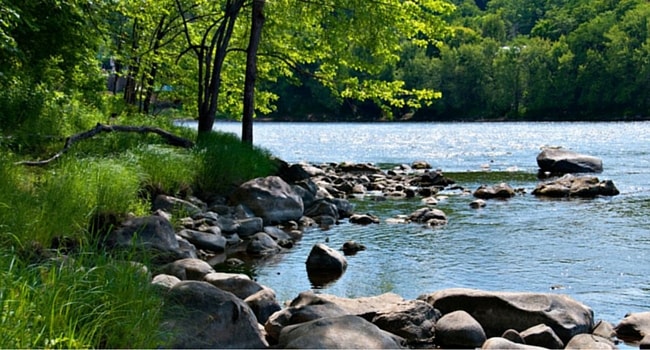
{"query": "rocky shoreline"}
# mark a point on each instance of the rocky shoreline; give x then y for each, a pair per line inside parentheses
(264, 216)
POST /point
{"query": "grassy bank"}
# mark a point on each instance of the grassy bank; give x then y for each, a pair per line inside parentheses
(59, 290)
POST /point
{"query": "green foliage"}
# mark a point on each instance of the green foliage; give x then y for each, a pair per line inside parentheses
(225, 162)
(89, 301)
(166, 170)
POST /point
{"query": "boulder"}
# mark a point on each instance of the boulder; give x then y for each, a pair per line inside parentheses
(366, 307)
(562, 161)
(352, 247)
(364, 219)
(502, 190)
(236, 283)
(478, 203)
(633, 327)
(458, 329)
(412, 320)
(342, 332)
(204, 240)
(500, 311)
(165, 281)
(543, 336)
(200, 315)
(322, 207)
(249, 226)
(323, 259)
(299, 314)
(574, 186)
(188, 269)
(264, 304)
(429, 216)
(151, 233)
(270, 198)
(262, 244)
(590, 342)
(173, 204)
(420, 165)
(498, 343)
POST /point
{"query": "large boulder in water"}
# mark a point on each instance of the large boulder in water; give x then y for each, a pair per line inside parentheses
(634, 326)
(500, 311)
(576, 186)
(562, 161)
(270, 198)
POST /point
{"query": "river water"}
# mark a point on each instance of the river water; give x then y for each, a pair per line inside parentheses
(594, 250)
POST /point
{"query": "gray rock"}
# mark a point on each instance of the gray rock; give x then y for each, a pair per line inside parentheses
(236, 283)
(502, 190)
(633, 327)
(165, 281)
(322, 207)
(562, 161)
(364, 219)
(172, 204)
(543, 336)
(366, 307)
(298, 314)
(188, 269)
(262, 244)
(513, 336)
(200, 315)
(203, 240)
(151, 233)
(264, 304)
(604, 329)
(590, 342)
(343, 332)
(478, 203)
(498, 343)
(412, 320)
(325, 259)
(574, 186)
(249, 226)
(429, 216)
(270, 198)
(458, 329)
(500, 311)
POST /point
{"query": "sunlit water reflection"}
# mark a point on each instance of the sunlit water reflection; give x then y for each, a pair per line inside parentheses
(594, 250)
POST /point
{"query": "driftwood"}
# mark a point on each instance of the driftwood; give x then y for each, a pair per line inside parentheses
(171, 139)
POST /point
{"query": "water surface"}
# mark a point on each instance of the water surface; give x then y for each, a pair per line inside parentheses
(593, 250)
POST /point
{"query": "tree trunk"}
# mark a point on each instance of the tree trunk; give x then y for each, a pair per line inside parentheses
(251, 71)
(209, 96)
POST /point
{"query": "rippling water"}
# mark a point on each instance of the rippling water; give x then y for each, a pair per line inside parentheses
(594, 250)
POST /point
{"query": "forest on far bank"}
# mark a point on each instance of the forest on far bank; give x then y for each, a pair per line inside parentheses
(513, 60)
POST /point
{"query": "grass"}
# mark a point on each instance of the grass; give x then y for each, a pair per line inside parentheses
(87, 298)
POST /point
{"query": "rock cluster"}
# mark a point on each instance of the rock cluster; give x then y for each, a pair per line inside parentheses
(264, 216)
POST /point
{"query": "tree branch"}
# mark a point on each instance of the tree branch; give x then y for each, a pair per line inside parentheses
(171, 139)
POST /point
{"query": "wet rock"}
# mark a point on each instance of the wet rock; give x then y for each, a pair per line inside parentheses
(352, 247)
(500, 311)
(342, 332)
(478, 203)
(323, 259)
(458, 329)
(562, 161)
(429, 216)
(249, 226)
(364, 219)
(502, 190)
(573, 186)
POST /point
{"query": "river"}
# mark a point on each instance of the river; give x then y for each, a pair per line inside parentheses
(594, 250)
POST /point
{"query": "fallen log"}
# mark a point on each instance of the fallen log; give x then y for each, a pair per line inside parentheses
(170, 138)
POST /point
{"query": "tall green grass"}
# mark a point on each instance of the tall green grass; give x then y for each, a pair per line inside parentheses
(225, 162)
(83, 302)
